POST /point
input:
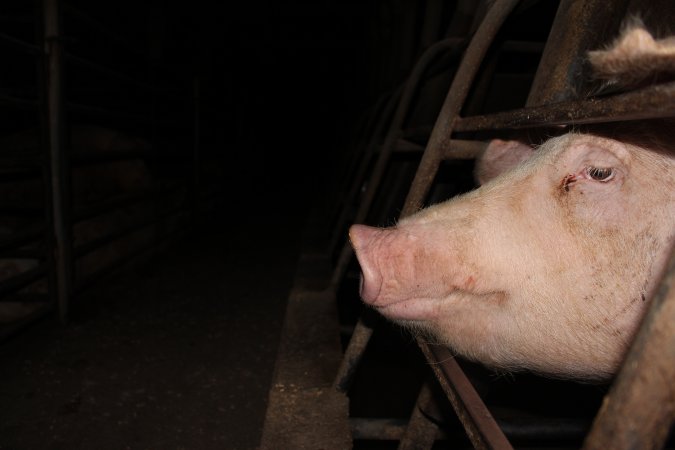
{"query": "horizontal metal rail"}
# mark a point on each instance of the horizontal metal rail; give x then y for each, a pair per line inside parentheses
(96, 67)
(521, 429)
(89, 211)
(22, 161)
(96, 244)
(13, 284)
(98, 27)
(18, 102)
(110, 156)
(9, 330)
(79, 108)
(20, 44)
(93, 279)
(649, 103)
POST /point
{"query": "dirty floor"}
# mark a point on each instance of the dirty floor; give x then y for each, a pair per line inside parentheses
(176, 355)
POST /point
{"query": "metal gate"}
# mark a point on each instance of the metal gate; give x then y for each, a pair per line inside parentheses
(309, 400)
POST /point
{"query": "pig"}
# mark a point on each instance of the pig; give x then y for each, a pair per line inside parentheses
(548, 266)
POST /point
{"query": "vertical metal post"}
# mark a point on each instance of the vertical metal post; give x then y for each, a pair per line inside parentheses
(61, 242)
(196, 156)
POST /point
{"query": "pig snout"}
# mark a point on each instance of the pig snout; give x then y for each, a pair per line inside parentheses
(398, 270)
(363, 238)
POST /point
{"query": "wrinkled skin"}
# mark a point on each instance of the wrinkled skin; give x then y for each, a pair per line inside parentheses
(548, 267)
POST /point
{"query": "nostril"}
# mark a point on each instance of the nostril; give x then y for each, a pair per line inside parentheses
(362, 238)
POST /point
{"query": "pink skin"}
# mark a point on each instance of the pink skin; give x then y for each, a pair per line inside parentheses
(547, 267)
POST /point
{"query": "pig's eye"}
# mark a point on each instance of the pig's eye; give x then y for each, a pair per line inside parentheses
(600, 173)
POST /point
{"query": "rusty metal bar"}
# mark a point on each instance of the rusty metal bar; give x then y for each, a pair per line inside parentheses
(577, 28)
(528, 429)
(440, 136)
(361, 336)
(480, 426)
(379, 429)
(353, 355)
(421, 432)
(402, 110)
(648, 103)
(457, 148)
(646, 379)
(463, 149)
(61, 238)
(358, 178)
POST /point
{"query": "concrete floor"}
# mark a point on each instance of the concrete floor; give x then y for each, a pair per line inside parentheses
(176, 355)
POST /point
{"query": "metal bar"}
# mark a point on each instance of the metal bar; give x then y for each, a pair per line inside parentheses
(639, 409)
(95, 244)
(380, 429)
(196, 145)
(97, 209)
(9, 330)
(361, 336)
(22, 103)
(101, 274)
(577, 28)
(526, 429)
(108, 71)
(463, 149)
(648, 103)
(108, 156)
(97, 110)
(457, 148)
(99, 27)
(402, 110)
(20, 161)
(357, 180)
(440, 136)
(59, 165)
(20, 44)
(20, 238)
(420, 433)
(21, 280)
(353, 355)
(480, 426)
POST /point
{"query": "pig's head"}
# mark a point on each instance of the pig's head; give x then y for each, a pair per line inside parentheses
(548, 267)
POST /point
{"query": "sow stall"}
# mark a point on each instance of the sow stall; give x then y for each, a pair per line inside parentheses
(321, 398)
(84, 106)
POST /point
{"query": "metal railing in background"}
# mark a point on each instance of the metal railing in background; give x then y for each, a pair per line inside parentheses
(135, 103)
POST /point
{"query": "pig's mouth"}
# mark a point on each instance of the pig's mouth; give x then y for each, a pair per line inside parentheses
(416, 304)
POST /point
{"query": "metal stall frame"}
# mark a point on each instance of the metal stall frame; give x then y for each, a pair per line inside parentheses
(646, 376)
(54, 111)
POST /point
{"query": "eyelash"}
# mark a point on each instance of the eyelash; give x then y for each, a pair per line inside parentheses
(603, 174)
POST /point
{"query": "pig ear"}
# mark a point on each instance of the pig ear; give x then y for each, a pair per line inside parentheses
(499, 157)
(634, 58)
